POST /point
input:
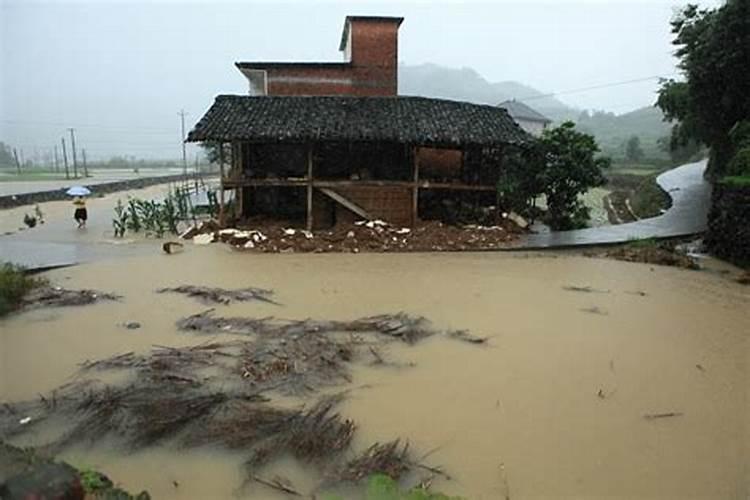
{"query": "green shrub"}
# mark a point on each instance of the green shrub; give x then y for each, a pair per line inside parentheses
(739, 165)
(14, 284)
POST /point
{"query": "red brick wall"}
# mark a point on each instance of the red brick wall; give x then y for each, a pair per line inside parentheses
(389, 203)
(372, 71)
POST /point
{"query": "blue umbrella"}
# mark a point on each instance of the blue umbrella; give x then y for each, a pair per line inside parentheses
(78, 191)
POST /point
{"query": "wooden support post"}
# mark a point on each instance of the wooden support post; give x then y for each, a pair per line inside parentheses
(415, 189)
(309, 187)
(221, 184)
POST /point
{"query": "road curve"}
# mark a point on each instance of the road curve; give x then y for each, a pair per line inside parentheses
(691, 199)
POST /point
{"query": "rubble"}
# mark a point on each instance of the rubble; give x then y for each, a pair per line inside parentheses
(364, 236)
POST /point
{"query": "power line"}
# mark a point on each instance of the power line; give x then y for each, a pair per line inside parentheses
(595, 87)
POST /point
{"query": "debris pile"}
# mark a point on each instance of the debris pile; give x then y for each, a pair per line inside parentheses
(663, 253)
(363, 236)
(210, 295)
(55, 296)
(220, 393)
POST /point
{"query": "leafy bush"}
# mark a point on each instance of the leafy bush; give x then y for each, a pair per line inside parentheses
(14, 284)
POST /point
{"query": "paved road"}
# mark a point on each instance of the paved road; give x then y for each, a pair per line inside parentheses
(691, 198)
(98, 176)
(59, 243)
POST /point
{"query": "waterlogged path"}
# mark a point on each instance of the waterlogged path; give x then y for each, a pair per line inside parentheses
(691, 198)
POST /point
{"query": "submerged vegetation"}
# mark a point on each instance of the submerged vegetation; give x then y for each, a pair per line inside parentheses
(220, 393)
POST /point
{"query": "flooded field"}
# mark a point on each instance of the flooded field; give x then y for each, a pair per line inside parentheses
(552, 406)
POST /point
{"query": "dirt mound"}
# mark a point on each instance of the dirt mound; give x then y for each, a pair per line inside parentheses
(364, 236)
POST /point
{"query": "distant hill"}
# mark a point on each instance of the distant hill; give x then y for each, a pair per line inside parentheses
(465, 84)
(612, 130)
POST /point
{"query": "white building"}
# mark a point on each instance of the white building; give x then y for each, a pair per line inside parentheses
(529, 119)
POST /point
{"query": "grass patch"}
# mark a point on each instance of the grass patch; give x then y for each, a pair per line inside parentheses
(737, 180)
(649, 199)
(14, 284)
(382, 487)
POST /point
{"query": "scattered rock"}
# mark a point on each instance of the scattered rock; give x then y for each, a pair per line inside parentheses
(171, 247)
(518, 220)
(203, 239)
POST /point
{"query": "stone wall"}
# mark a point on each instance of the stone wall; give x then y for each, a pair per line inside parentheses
(728, 233)
(17, 200)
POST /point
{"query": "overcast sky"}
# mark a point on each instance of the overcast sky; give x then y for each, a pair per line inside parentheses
(120, 71)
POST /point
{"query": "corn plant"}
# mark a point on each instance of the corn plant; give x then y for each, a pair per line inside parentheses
(120, 222)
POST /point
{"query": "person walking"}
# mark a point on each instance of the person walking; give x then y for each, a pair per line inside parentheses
(80, 215)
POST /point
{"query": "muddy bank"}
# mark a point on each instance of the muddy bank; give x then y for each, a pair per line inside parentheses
(555, 403)
(662, 253)
(17, 200)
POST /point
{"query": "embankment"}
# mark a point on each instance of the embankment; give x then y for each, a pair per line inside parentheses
(728, 233)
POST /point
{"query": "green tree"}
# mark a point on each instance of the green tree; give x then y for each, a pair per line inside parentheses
(714, 56)
(570, 167)
(213, 151)
(6, 156)
(633, 151)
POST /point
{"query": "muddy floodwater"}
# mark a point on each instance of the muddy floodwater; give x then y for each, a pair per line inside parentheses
(552, 407)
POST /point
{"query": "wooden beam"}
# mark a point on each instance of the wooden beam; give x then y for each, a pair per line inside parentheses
(309, 187)
(347, 203)
(415, 189)
(221, 184)
(231, 183)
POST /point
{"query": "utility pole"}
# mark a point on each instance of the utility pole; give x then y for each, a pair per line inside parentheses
(18, 164)
(65, 159)
(85, 169)
(73, 147)
(57, 161)
(184, 154)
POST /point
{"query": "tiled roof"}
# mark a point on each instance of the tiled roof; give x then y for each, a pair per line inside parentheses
(412, 120)
(519, 110)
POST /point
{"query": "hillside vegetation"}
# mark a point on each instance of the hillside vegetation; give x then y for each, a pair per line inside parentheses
(611, 131)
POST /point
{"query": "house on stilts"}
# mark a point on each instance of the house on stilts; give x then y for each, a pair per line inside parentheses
(319, 144)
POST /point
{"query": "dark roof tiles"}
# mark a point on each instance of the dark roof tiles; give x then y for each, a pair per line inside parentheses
(414, 120)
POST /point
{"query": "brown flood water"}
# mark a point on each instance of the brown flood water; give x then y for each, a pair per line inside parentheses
(528, 402)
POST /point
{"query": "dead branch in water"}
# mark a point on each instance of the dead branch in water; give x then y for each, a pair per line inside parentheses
(278, 483)
(654, 416)
(209, 295)
(584, 289)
